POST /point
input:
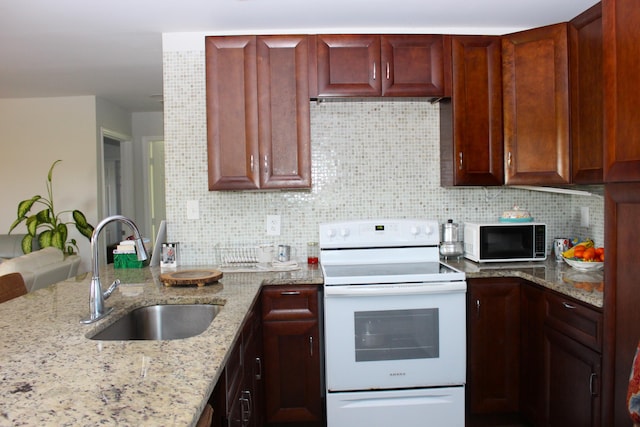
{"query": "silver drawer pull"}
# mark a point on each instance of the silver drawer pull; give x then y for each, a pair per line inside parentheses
(569, 306)
(290, 293)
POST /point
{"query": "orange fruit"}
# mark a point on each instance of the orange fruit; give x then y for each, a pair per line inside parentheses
(599, 251)
(578, 252)
(589, 254)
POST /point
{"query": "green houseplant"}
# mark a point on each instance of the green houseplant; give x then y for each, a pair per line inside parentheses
(47, 226)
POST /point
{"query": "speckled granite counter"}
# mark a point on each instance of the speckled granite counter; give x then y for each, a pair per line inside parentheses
(559, 276)
(52, 374)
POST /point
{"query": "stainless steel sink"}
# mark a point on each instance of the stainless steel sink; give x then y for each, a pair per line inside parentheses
(161, 322)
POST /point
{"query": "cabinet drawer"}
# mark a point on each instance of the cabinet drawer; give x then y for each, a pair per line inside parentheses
(289, 302)
(574, 319)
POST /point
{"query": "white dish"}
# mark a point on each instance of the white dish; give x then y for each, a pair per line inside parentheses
(584, 265)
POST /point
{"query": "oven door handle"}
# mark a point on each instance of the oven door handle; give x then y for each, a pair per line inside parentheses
(400, 289)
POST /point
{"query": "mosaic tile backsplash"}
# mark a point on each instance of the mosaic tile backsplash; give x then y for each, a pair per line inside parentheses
(370, 159)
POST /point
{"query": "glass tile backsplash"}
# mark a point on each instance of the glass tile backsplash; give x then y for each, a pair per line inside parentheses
(370, 159)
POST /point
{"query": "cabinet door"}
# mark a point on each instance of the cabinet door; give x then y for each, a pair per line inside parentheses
(471, 143)
(587, 104)
(284, 118)
(532, 400)
(292, 372)
(349, 65)
(621, 33)
(621, 296)
(572, 382)
(232, 112)
(536, 106)
(493, 371)
(412, 65)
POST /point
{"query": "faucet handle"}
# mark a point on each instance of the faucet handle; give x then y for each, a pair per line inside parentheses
(112, 288)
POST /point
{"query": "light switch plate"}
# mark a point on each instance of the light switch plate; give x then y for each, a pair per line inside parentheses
(193, 209)
(584, 216)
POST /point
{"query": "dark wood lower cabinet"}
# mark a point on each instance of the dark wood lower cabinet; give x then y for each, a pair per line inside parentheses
(572, 377)
(534, 356)
(291, 340)
(493, 334)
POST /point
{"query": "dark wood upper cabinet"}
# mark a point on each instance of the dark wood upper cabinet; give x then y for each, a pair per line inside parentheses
(471, 143)
(373, 65)
(536, 106)
(585, 64)
(232, 112)
(258, 122)
(621, 33)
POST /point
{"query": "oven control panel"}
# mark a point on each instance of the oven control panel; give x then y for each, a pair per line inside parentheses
(379, 233)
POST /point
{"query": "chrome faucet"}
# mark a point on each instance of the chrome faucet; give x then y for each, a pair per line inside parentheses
(96, 297)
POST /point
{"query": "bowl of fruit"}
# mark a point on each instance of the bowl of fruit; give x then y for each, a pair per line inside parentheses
(585, 256)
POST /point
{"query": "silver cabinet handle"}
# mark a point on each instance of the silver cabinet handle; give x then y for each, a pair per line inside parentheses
(251, 166)
(460, 165)
(509, 159)
(477, 308)
(245, 404)
(374, 71)
(259, 365)
(290, 293)
(311, 346)
(569, 306)
(388, 70)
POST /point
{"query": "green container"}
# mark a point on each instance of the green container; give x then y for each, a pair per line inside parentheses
(126, 261)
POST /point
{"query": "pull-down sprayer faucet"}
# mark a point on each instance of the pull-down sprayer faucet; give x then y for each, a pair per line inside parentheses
(96, 297)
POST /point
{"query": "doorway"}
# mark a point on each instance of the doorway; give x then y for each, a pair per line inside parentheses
(117, 186)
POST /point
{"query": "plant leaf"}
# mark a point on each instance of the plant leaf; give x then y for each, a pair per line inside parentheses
(32, 225)
(25, 206)
(16, 223)
(44, 216)
(85, 231)
(27, 244)
(62, 230)
(79, 218)
(44, 238)
(57, 239)
(50, 175)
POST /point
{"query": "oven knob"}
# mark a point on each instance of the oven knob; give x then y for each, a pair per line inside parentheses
(344, 232)
(331, 233)
(428, 230)
(415, 230)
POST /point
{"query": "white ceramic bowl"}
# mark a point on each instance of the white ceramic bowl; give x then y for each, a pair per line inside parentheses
(584, 265)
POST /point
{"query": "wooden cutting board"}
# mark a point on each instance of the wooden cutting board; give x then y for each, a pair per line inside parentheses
(190, 277)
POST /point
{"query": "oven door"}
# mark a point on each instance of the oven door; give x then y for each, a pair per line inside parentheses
(395, 336)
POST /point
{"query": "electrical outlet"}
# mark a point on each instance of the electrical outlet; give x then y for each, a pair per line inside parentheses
(193, 209)
(273, 225)
(584, 216)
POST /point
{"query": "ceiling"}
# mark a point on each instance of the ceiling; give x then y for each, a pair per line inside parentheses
(113, 49)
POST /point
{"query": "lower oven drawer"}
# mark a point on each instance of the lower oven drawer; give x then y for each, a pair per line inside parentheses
(435, 407)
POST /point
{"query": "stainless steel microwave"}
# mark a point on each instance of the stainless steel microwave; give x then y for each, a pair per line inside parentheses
(505, 241)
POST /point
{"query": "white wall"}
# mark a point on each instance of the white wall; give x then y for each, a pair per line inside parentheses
(34, 133)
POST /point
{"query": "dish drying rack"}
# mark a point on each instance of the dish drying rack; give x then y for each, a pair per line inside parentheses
(244, 259)
(237, 256)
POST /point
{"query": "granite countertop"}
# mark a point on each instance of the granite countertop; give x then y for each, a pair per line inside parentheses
(558, 276)
(52, 374)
